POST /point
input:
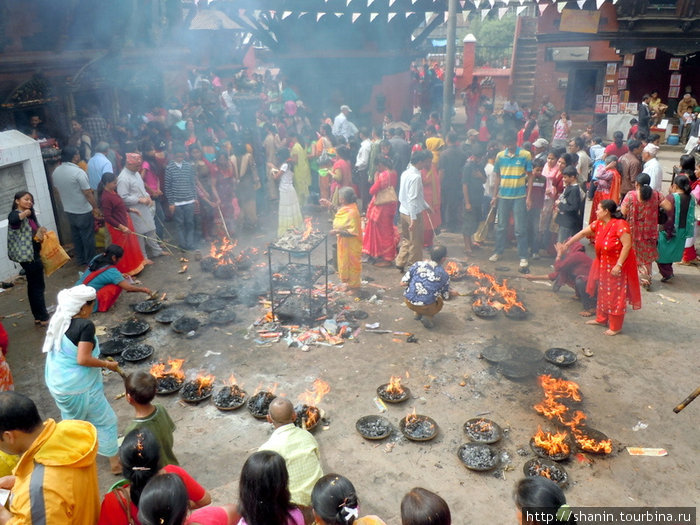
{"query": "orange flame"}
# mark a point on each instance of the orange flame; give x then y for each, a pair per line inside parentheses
(552, 443)
(452, 268)
(591, 445)
(498, 295)
(313, 397)
(223, 250)
(231, 381)
(158, 370)
(394, 386)
(308, 229)
(411, 417)
(203, 382)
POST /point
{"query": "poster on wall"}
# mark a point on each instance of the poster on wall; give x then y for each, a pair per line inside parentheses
(611, 69)
(599, 107)
(629, 60)
(675, 80)
(614, 108)
(623, 107)
(650, 54)
(622, 84)
(624, 72)
(606, 108)
(632, 107)
(606, 91)
(673, 92)
(674, 64)
(599, 99)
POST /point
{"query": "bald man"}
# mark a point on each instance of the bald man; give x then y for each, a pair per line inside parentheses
(298, 448)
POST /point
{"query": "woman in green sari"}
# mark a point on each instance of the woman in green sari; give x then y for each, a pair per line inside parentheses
(678, 227)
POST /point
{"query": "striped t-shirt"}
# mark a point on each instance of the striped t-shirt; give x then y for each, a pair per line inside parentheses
(513, 170)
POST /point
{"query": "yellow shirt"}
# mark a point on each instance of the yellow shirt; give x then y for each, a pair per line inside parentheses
(300, 452)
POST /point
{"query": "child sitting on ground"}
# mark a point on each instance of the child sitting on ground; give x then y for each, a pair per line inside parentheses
(140, 391)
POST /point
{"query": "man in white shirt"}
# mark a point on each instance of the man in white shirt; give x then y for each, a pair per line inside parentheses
(652, 167)
(583, 165)
(361, 166)
(411, 207)
(342, 127)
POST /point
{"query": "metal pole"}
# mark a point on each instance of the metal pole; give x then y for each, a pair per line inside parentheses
(448, 81)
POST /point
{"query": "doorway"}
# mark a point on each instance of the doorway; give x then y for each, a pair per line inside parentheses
(582, 88)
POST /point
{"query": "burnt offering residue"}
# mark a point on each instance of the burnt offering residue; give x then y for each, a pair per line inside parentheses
(185, 325)
(478, 456)
(308, 417)
(298, 241)
(168, 385)
(482, 430)
(212, 305)
(484, 310)
(169, 314)
(230, 398)
(134, 327)
(208, 264)
(148, 307)
(418, 428)
(560, 356)
(223, 316)
(394, 391)
(137, 352)
(195, 299)
(259, 404)
(373, 427)
(547, 469)
(225, 271)
(198, 389)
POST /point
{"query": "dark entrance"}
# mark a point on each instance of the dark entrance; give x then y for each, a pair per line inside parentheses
(582, 88)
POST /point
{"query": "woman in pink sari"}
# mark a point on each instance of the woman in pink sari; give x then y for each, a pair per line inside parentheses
(379, 241)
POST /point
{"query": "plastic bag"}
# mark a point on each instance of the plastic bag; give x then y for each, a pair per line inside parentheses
(52, 253)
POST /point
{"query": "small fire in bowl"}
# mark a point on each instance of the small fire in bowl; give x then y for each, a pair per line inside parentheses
(455, 270)
(551, 445)
(308, 414)
(497, 296)
(198, 389)
(259, 402)
(394, 391)
(168, 380)
(417, 427)
(230, 396)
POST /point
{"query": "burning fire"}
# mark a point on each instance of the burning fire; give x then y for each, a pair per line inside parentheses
(159, 372)
(308, 229)
(231, 381)
(453, 269)
(311, 398)
(411, 417)
(482, 425)
(223, 250)
(272, 389)
(554, 391)
(497, 295)
(553, 444)
(394, 386)
(203, 382)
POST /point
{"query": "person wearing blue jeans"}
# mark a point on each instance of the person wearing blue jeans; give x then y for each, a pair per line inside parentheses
(513, 170)
(184, 222)
(181, 193)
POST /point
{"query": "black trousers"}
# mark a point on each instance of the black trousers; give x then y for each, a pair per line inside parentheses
(588, 301)
(34, 271)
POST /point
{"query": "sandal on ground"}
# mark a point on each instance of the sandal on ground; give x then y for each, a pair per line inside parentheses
(42, 324)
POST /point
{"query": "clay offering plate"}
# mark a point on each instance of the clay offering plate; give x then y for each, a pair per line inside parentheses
(482, 430)
(192, 392)
(114, 347)
(230, 398)
(560, 356)
(134, 327)
(259, 404)
(393, 397)
(223, 316)
(195, 299)
(547, 469)
(373, 427)
(148, 307)
(168, 385)
(169, 314)
(308, 417)
(137, 352)
(479, 456)
(418, 428)
(213, 305)
(185, 325)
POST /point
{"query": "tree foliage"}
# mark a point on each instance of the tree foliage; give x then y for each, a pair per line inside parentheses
(494, 40)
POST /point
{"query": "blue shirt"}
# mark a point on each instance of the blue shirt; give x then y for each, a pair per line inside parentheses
(427, 281)
(98, 165)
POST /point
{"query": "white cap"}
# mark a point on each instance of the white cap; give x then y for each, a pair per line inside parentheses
(344, 108)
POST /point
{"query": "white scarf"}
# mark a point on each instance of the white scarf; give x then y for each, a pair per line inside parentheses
(70, 301)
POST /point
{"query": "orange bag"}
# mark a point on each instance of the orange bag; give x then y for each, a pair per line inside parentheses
(53, 256)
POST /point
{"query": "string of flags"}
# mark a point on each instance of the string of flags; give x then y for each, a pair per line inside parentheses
(481, 7)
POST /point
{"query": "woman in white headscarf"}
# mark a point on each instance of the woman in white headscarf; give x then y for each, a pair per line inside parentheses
(73, 370)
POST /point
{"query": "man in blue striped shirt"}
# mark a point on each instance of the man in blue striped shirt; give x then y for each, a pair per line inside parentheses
(180, 190)
(513, 170)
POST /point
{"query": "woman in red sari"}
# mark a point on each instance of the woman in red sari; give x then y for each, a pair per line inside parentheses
(341, 174)
(379, 241)
(120, 226)
(614, 270)
(641, 209)
(607, 185)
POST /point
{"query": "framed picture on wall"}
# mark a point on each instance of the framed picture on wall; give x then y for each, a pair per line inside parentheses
(599, 107)
(622, 83)
(675, 80)
(674, 64)
(599, 99)
(623, 107)
(611, 69)
(606, 108)
(673, 92)
(606, 91)
(624, 72)
(632, 106)
(650, 54)
(606, 100)
(614, 108)
(629, 60)
(614, 99)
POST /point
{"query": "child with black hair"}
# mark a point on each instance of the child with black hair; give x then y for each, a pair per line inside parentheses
(568, 205)
(539, 497)
(140, 391)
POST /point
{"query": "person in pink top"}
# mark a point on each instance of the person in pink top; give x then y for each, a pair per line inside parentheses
(164, 502)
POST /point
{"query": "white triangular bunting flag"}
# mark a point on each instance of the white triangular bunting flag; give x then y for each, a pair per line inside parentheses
(347, 2)
(446, 17)
(409, 13)
(492, 2)
(580, 3)
(521, 2)
(372, 16)
(302, 13)
(319, 16)
(520, 9)
(338, 15)
(462, 2)
(413, 37)
(598, 3)
(465, 15)
(413, 2)
(369, 2)
(428, 16)
(390, 16)
(391, 2)
(615, 1)
(484, 13)
(561, 6)
(355, 16)
(502, 11)
(285, 14)
(542, 7)
(476, 3)
(256, 13)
